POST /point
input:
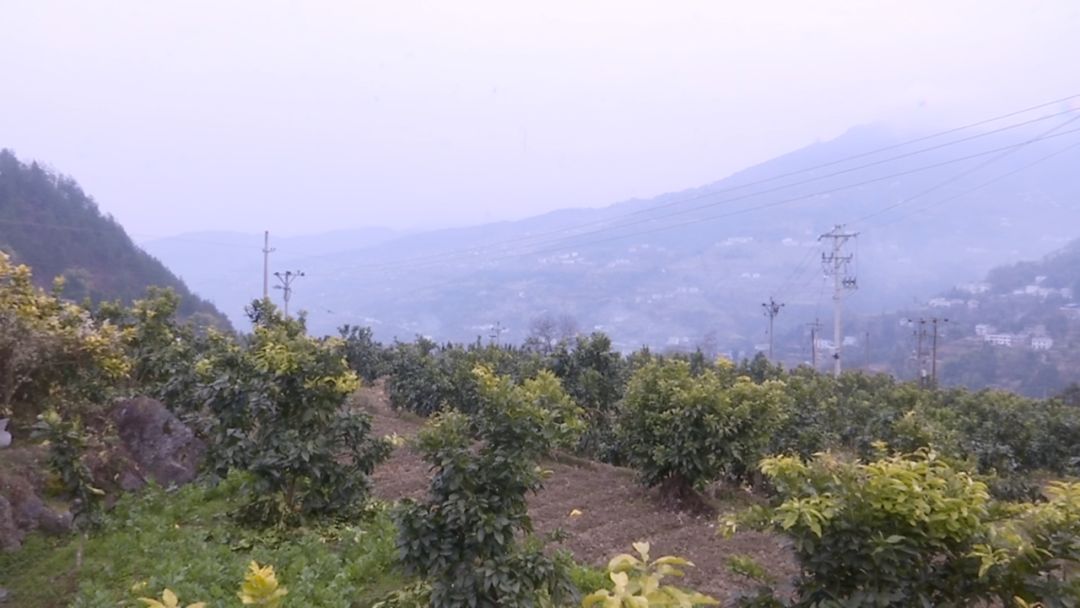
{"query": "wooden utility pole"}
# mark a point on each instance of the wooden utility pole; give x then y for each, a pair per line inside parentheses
(772, 308)
(837, 266)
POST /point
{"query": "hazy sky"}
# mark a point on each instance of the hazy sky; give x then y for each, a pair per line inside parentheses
(311, 116)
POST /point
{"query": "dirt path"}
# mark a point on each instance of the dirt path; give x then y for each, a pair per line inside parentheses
(615, 511)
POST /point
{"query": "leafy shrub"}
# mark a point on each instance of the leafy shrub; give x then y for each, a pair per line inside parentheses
(53, 354)
(276, 410)
(67, 443)
(911, 530)
(1033, 556)
(637, 583)
(417, 381)
(365, 355)
(595, 377)
(470, 537)
(689, 430)
(425, 377)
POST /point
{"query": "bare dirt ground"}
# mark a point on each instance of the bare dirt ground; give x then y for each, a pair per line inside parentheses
(614, 512)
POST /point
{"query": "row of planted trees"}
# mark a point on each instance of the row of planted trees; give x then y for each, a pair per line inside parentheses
(893, 495)
(902, 505)
(717, 419)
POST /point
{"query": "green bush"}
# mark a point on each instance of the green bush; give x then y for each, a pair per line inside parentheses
(365, 356)
(275, 408)
(689, 430)
(471, 537)
(912, 530)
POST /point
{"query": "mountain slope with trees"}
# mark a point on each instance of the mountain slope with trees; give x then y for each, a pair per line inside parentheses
(48, 223)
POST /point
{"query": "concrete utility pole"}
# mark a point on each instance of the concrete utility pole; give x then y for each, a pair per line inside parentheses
(866, 344)
(816, 325)
(286, 281)
(933, 364)
(837, 266)
(496, 331)
(266, 264)
(920, 360)
(927, 379)
(772, 308)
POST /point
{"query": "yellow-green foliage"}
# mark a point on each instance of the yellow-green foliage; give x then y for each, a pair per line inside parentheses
(913, 530)
(260, 588)
(637, 583)
(51, 351)
(554, 411)
(168, 600)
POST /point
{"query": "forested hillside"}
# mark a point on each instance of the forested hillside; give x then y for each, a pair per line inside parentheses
(50, 224)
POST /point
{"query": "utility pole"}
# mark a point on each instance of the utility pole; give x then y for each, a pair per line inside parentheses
(772, 308)
(266, 264)
(866, 363)
(927, 379)
(816, 325)
(920, 360)
(933, 364)
(496, 331)
(837, 265)
(286, 281)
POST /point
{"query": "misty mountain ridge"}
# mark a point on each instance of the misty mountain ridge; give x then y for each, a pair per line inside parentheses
(673, 269)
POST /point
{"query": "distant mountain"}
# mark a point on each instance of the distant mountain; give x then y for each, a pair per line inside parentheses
(693, 267)
(50, 224)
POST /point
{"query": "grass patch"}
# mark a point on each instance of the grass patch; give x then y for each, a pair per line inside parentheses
(185, 540)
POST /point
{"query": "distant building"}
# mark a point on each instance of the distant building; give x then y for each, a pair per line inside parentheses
(999, 339)
(1042, 343)
(945, 302)
(1072, 310)
(982, 329)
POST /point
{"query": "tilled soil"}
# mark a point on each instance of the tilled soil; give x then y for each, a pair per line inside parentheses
(610, 511)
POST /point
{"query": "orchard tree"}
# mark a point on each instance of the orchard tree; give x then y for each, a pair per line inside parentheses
(53, 353)
(471, 537)
(276, 409)
(684, 431)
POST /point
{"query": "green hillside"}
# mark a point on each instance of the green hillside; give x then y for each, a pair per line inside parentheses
(50, 224)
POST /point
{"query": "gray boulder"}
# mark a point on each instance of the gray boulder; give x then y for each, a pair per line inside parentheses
(163, 448)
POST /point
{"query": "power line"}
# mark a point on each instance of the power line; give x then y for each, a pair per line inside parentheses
(963, 174)
(652, 210)
(751, 209)
(981, 185)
